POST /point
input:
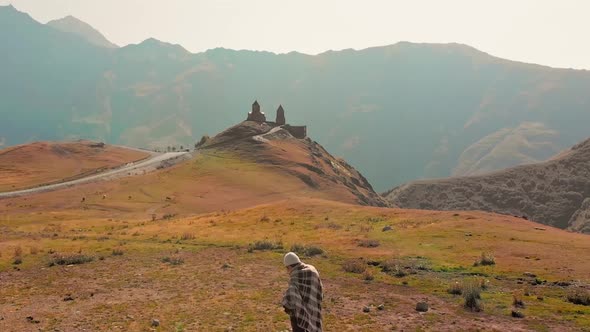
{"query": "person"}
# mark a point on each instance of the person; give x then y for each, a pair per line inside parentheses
(303, 299)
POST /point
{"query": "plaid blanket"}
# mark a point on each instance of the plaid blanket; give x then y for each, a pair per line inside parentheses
(303, 298)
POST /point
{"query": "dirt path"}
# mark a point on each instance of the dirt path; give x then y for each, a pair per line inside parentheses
(141, 167)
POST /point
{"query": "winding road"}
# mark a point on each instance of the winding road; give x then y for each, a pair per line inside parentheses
(155, 162)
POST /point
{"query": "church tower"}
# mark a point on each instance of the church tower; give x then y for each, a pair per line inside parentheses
(256, 115)
(280, 116)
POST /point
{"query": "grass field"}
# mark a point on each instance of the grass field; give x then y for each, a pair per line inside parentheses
(202, 273)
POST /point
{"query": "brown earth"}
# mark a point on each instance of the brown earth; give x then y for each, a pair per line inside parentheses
(30, 165)
(554, 193)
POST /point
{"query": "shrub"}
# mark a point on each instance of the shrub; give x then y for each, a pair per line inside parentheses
(313, 251)
(70, 259)
(17, 261)
(472, 295)
(187, 236)
(391, 267)
(173, 260)
(517, 314)
(264, 218)
(517, 301)
(354, 266)
(368, 275)
(266, 245)
(579, 297)
(298, 248)
(485, 259)
(399, 271)
(455, 289)
(169, 216)
(308, 251)
(117, 252)
(34, 250)
(18, 251)
(484, 284)
(369, 243)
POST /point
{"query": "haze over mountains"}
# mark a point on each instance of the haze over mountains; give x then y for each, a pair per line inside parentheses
(397, 113)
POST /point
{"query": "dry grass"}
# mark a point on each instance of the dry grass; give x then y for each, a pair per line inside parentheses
(254, 280)
(355, 266)
(472, 295)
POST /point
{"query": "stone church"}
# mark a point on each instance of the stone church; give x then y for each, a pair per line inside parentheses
(258, 116)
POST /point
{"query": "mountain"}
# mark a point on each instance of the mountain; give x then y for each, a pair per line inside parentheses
(73, 25)
(397, 113)
(555, 192)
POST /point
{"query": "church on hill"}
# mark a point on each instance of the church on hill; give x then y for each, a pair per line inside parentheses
(257, 115)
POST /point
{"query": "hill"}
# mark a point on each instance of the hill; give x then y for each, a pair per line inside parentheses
(252, 165)
(554, 193)
(474, 112)
(30, 165)
(73, 25)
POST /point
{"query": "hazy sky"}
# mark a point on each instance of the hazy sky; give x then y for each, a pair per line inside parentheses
(550, 32)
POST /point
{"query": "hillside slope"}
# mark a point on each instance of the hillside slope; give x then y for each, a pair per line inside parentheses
(30, 165)
(555, 192)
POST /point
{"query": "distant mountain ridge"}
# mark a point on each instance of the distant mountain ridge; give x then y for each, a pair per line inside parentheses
(73, 25)
(555, 192)
(397, 113)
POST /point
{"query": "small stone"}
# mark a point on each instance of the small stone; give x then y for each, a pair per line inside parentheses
(367, 309)
(422, 307)
(32, 320)
(68, 297)
(387, 228)
(381, 307)
(155, 322)
(540, 298)
(530, 275)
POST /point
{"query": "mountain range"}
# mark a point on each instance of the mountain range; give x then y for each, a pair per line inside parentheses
(397, 113)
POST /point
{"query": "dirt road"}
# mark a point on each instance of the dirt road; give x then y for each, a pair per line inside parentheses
(141, 167)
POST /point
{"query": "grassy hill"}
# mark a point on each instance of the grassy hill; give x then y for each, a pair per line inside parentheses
(30, 165)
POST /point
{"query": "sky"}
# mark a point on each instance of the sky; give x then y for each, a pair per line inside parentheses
(548, 32)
